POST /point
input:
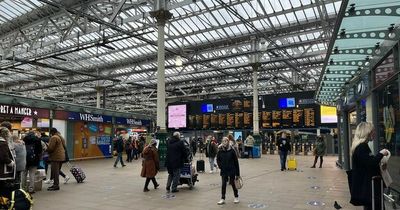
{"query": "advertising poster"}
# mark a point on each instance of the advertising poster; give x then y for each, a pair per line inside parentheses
(92, 140)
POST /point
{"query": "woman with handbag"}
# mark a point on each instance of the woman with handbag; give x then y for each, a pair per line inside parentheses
(150, 165)
(7, 164)
(364, 167)
(319, 151)
(229, 164)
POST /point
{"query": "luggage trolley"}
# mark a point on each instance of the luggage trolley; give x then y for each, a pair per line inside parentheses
(188, 175)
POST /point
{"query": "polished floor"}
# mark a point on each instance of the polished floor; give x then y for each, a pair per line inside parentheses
(265, 187)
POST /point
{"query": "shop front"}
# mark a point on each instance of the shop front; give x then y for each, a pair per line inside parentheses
(132, 126)
(24, 119)
(88, 135)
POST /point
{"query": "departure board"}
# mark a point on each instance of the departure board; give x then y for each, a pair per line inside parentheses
(247, 104)
(192, 121)
(247, 119)
(199, 121)
(238, 120)
(266, 119)
(287, 118)
(237, 105)
(214, 121)
(309, 117)
(297, 118)
(222, 121)
(276, 118)
(206, 121)
(230, 120)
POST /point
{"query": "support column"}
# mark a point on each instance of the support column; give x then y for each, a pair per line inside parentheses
(104, 97)
(162, 15)
(346, 140)
(255, 64)
(98, 97)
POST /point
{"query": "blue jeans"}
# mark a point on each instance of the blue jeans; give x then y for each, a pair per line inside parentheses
(119, 158)
(173, 178)
(283, 156)
(212, 163)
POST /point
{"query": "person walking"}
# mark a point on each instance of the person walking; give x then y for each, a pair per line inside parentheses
(249, 144)
(176, 154)
(20, 157)
(7, 164)
(56, 150)
(193, 145)
(135, 148)
(211, 152)
(150, 165)
(119, 147)
(364, 167)
(284, 148)
(128, 149)
(319, 151)
(33, 147)
(229, 165)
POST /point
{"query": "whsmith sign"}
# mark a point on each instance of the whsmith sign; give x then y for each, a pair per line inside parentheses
(130, 121)
(89, 117)
(23, 111)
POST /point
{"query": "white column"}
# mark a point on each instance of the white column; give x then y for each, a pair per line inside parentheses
(98, 97)
(161, 76)
(256, 129)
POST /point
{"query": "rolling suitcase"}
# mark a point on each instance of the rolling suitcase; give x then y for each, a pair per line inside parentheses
(200, 166)
(291, 163)
(77, 172)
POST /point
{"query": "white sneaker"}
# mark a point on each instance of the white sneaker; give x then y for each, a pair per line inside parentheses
(221, 202)
(211, 172)
(49, 181)
(66, 179)
(236, 200)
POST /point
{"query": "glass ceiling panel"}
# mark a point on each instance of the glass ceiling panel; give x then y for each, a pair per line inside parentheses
(368, 23)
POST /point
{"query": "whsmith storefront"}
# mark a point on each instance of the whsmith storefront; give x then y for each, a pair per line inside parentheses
(361, 78)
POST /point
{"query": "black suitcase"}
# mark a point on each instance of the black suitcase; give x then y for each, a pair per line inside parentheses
(200, 166)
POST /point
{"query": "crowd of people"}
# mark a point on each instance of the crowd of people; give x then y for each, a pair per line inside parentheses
(20, 158)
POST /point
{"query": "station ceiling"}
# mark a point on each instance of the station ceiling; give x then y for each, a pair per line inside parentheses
(67, 50)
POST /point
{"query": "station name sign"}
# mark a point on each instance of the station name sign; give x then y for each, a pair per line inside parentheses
(23, 111)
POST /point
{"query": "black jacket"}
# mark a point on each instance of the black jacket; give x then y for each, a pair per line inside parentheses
(228, 162)
(284, 145)
(211, 149)
(119, 145)
(365, 166)
(176, 154)
(32, 140)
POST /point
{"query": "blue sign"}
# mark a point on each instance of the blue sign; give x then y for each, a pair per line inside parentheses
(205, 108)
(130, 121)
(287, 103)
(89, 117)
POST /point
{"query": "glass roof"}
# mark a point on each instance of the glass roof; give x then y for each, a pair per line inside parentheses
(367, 31)
(62, 54)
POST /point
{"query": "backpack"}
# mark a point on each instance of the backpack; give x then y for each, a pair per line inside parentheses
(30, 153)
(21, 200)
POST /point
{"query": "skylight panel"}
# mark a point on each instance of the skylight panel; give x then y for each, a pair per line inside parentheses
(309, 13)
(276, 5)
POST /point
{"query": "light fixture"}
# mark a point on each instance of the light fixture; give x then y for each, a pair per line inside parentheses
(178, 60)
(367, 61)
(342, 33)
(352, 9)
(377, 48)
(336, 50)
(391, 31)
(331, 62)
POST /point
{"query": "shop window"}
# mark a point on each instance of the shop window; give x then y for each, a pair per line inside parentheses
(389, 128)
(384, 71)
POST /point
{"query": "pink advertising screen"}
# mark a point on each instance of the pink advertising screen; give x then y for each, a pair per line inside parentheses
(177, 116)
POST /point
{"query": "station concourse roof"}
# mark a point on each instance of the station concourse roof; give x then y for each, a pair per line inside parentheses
(67, 50)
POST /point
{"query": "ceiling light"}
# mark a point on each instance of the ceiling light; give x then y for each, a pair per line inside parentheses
(178, 61)
(336, 50)
(377, 48)
(391, 31)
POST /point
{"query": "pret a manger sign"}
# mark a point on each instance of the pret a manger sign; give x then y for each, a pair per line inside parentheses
(13, 110)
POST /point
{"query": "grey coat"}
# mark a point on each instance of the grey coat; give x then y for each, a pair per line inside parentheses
(320, 148)
(20, 153)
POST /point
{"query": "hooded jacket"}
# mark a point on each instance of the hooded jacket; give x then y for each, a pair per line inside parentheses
(56, 148)
(176, 154)
(32, 140)
(228, 161)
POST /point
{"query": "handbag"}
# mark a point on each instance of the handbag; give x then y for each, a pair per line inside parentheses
(238, 182)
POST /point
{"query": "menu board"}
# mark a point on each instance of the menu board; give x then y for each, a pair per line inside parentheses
(276, 118)
(192, 121)
(230, 120)
(287, 118)
(199, 121)
(237, 105)
(309, 117)
(238, 120)
(247, 119)
(214, 121)
(297, 117)
(266, 119)
(222, 121)
(206, 121)
(247, 104)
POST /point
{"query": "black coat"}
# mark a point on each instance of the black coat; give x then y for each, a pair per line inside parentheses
(283, 147)
(228, 162)
(365, 166)
(30, 140)
(176, 154)
(119, 145)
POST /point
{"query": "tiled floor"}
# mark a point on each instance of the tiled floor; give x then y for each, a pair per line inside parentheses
(111, 188)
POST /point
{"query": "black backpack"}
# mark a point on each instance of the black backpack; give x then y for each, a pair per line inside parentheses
(30, 153)
(21, 200)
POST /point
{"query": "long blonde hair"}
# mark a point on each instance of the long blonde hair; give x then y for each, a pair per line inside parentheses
(362, 134)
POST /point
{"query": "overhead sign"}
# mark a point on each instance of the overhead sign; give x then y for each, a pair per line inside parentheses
(89, 117)
(24, 111)
(130, 121)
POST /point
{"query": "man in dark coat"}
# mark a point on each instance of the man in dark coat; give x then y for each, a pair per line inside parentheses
(176, 154)
(33, 147)
(284, 148)
(119, 147)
